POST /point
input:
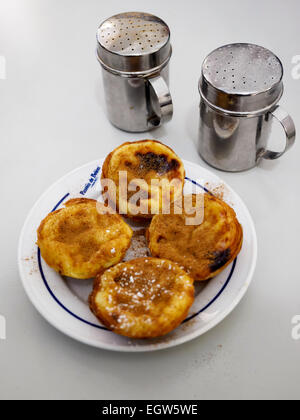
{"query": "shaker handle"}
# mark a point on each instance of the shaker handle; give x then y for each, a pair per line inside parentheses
(164, 100)
(290, 131)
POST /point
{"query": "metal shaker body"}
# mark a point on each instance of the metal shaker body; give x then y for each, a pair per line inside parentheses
(131, 101)
(240, 87)
(232, 143)
(134, 51)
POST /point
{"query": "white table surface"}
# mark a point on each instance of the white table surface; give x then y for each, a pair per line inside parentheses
(52, 119)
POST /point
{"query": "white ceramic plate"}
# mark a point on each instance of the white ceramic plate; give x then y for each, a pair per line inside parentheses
(63, 302)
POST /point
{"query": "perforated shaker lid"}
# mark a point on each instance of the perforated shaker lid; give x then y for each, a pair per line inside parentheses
(241, 79)
(133, 42)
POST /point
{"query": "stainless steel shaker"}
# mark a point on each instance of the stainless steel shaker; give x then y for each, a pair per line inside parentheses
(134, 51)
(240, 87)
